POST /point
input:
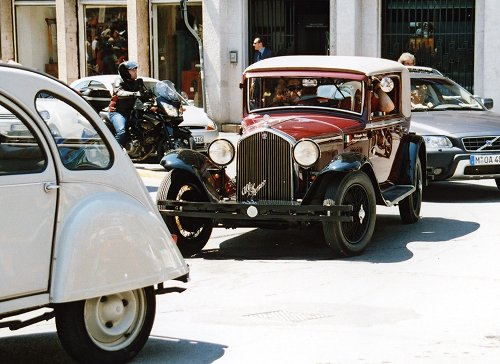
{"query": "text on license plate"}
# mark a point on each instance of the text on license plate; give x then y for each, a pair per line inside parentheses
(198, 138)
(486, 159)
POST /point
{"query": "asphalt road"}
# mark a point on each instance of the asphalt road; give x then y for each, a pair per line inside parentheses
(422, 293)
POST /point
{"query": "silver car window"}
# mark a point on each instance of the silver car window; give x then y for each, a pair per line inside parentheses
(80, 145)
(20, 151)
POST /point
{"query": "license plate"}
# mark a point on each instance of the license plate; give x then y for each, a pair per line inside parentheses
(485, 159)
(18, 127)
(198, 139)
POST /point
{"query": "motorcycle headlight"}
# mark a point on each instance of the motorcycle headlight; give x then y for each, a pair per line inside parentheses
(437, 142)
(221, 152)
(306, 153)
(170, 109)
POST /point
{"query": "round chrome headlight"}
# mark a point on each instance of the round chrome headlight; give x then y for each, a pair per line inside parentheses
(306, 152)
(221, 152)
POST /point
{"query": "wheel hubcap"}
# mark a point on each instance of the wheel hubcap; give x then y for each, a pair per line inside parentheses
(114, 321)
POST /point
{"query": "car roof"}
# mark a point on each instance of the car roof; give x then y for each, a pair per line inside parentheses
(362, 65)
(106, 80)
(423, 71)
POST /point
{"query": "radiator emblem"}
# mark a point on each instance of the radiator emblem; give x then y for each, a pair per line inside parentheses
(251, 190)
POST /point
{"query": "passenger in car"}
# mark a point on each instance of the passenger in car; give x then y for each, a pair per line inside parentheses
(381, 102)
(419, 98)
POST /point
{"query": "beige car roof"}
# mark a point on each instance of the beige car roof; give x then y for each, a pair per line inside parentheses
(363, 65)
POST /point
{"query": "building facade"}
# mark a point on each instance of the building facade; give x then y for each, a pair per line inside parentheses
(71, 39)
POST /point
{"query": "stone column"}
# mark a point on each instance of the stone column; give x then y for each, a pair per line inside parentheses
(356, 31)
(486, 51)
(67, 40)
(138, 34)
(224, 30)
(6, 31)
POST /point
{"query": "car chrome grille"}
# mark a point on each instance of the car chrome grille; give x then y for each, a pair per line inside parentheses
(264, 167)
(482, 144)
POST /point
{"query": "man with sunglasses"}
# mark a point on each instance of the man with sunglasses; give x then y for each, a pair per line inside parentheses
(261, 51)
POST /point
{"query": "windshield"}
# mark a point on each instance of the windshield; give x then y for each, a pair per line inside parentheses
(440, 94)
(320, 92)
(166, 89)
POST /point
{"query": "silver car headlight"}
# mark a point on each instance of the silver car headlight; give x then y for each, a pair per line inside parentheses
(221, 152)
(306, 153)
(437, 142)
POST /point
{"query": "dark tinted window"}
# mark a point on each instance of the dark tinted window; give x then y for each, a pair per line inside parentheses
(20, 151)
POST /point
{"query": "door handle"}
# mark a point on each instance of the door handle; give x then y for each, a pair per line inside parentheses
(50, 186)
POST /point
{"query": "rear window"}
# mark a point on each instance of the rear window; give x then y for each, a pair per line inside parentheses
(80, 146)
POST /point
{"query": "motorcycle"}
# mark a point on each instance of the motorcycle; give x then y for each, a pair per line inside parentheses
(153, 127)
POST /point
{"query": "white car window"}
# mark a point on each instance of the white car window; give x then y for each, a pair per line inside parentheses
(20, 151)
(80, 145)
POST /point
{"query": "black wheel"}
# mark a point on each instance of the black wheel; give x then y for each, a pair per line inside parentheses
(497, 180)
(192, 232)
(107, 329)
(409, 208)
(351, 238)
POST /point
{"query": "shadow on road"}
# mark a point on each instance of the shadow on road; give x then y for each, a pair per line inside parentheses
(388, 245)
(458, 192)
(45, 348)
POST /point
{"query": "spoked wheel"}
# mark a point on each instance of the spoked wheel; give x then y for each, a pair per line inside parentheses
(409, 208)
(107, 329)
(351, 238)
(192, 232)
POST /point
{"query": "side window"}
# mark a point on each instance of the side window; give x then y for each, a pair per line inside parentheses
(20, 151)
(80, 146)
(385, 96)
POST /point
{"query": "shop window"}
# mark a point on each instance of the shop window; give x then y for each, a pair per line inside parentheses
(106, 42)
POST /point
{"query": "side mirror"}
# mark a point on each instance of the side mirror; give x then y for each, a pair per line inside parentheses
(387, 84)
(488, 103)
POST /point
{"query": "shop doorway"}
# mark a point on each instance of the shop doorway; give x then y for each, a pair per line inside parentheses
(290, 27)
(176, 54)
(37, 42)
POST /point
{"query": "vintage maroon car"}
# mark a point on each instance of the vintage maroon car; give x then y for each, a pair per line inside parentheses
(324, 140)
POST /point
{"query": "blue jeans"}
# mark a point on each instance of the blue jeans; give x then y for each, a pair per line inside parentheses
(120, 124)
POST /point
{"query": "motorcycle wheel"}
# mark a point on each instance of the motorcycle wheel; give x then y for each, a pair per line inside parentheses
(165, 146)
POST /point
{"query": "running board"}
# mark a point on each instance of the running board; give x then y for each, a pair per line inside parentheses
(394, 194)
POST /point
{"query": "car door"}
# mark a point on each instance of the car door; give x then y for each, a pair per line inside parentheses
(28, 198)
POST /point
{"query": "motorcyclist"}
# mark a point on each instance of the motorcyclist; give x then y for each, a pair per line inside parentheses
(126, 89)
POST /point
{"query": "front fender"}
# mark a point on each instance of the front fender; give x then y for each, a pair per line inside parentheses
(111, 243)
(337, 168)
(196, 164)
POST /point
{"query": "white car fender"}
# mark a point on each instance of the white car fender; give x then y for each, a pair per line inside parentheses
(111, 243)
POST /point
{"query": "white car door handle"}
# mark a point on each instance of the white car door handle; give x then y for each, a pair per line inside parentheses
(49, 186)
